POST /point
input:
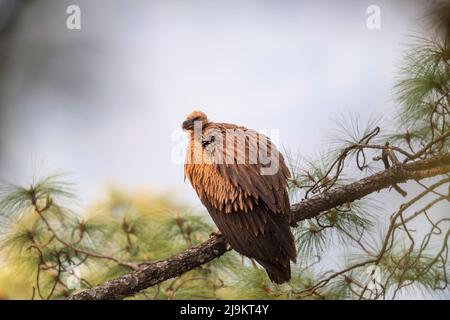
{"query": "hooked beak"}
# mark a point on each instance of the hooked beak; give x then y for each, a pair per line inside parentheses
(188, 124)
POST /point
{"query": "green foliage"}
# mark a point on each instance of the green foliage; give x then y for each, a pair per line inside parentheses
(45, 241)
(423, 91)
(49, 251)
(421, 129)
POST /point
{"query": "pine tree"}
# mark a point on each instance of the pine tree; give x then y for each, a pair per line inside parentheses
(49, 251)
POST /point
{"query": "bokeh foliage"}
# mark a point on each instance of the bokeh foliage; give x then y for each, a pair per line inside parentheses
(48, 249)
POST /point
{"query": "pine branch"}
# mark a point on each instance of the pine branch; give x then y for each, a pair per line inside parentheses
(150, 274)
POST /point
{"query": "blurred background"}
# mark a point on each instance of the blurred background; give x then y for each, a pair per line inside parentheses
(105, 103)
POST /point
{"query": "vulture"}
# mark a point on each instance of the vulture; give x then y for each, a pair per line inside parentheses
(241, 179)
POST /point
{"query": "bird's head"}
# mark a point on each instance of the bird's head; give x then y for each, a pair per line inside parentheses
(192, 118)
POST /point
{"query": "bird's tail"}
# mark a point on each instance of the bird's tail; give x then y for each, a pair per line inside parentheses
(276, 271)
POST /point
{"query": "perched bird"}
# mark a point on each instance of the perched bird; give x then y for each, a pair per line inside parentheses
(241, 179)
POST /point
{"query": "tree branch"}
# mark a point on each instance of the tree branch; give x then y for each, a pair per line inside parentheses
(150, 274)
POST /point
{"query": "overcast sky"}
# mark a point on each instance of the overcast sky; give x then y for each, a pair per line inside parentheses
(104, 102)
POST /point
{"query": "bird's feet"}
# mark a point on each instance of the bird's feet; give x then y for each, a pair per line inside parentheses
(222, 239)
(215, 234)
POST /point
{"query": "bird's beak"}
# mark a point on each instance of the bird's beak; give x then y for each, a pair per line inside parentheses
(187, 124)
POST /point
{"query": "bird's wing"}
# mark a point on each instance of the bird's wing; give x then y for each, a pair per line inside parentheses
(250, 163)
(249, 207)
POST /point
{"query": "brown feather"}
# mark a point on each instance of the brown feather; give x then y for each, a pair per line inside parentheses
(249, 208)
